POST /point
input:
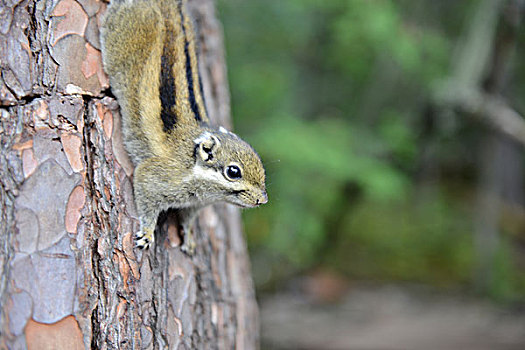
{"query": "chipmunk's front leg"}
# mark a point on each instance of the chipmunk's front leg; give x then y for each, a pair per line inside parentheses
(149, 190)
(148, 215)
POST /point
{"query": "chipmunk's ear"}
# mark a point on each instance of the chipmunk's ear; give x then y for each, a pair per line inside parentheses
(207, 146)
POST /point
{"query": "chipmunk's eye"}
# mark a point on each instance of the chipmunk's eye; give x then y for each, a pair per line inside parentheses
(233, 172)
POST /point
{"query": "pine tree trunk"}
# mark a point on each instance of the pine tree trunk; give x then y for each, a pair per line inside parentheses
(69, 275)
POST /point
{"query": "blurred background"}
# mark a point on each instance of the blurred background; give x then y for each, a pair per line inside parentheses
(392, 135)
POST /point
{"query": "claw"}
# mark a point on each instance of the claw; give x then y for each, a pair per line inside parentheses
(143, 240)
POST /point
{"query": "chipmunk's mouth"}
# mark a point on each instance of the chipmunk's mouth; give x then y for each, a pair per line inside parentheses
(241, 199)
(240, 203)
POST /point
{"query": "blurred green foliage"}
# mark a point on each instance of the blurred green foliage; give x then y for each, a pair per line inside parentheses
(332, 95)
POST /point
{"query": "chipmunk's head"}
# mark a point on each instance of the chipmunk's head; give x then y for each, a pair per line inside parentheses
(228, 169)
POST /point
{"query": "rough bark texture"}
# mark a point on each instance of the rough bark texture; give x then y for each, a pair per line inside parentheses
(69, 275)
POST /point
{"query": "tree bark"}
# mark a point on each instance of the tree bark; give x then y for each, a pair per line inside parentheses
(69, 275)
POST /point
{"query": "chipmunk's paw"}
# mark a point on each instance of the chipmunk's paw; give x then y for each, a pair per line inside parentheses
(144, 239)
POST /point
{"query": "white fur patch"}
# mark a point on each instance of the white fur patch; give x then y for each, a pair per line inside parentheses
(223, 130)
(202, 137)
(208, 174)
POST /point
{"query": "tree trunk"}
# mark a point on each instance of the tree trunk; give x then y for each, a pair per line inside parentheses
(477, 88)
(69, 275)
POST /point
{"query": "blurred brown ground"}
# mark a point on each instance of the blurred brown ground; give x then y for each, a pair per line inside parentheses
(390, 318)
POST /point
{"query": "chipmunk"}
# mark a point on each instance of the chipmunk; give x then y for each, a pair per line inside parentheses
(181, 160)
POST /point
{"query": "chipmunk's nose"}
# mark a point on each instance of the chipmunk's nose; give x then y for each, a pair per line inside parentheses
(263, 199)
